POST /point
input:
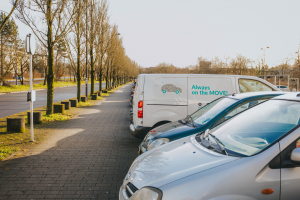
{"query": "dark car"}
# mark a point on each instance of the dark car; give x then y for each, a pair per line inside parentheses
(206, 117)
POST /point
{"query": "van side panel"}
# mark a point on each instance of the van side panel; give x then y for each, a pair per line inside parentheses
(165, 98)
(202, 90)
(166, 90)
(158, 113)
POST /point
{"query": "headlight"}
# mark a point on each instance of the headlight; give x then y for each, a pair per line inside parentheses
(157, 143)
(147, 193)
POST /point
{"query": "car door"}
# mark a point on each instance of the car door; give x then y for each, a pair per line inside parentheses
(290, 173)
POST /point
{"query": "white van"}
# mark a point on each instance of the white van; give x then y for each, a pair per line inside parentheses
(163, 98)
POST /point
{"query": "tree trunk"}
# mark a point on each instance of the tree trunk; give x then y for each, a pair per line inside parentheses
(78, 69)
(22, 75)
(91, 51)
(45, 80)
(92, 71)
(106, 77)
(100, 77)
(2, 60)
(50, 77)
(114, 79)
(110, 79)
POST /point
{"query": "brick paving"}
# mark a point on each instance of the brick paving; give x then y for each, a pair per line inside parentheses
(87, 157)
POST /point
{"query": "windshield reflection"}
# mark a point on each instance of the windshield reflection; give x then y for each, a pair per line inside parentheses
(209, 111)
(257, 128)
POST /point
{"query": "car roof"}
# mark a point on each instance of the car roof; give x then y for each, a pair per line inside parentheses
(292, 96)
(253, 94)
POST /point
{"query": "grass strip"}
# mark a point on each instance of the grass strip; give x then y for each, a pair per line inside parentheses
(18, 88)
(82, 104)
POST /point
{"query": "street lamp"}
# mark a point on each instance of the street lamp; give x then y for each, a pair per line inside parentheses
(226, 58)
(31, 94)
(264, 60)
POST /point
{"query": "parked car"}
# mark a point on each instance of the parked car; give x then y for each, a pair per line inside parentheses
(132, 92)
(283, 88)
(206, 117)
(254, 155)
(162, 98)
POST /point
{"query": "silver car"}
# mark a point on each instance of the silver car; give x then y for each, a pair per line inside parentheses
(254, 155)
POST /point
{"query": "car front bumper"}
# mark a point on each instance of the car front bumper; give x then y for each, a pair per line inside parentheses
(139, 131)
(142, 149)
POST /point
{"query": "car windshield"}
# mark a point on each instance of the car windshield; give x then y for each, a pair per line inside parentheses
(257, 128)
(205, 114)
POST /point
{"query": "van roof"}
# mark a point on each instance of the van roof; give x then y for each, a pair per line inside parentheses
(185, 75)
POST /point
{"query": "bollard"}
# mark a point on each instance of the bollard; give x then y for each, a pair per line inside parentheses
(74, 102)
(83, 99)
(37, 117)
(59, 108)
(16, 125)
(67, 104)
(94, 96)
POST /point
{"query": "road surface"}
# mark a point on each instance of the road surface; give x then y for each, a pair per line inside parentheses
(17, 102)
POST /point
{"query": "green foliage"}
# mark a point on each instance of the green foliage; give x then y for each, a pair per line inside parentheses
(17, 88)
(57, 117)
(10, 31)
(83, 104)
(7, 151)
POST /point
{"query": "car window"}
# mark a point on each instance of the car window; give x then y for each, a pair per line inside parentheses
(239, 109)
(248, 85)
(257, 128)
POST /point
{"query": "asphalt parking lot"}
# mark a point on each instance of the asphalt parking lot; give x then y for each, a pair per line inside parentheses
(87, 158)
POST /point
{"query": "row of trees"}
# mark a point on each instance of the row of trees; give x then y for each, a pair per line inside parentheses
(240, 65)
(76, 30)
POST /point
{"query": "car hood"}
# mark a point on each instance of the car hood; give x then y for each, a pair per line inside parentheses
(168, 126)
(176, 130)
(173, 161)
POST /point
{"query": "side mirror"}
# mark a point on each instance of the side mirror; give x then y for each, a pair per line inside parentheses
(295, 156)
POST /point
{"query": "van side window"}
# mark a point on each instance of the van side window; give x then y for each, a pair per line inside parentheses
(248, 85)
(239, 109)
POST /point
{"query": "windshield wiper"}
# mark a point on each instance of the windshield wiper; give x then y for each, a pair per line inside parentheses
(193, 123)
(185, 120)
(206, 142)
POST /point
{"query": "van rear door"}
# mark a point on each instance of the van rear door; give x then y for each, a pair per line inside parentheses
(203, 89)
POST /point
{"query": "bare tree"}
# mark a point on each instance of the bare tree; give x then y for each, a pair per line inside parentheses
(15, 3)
(50, 22)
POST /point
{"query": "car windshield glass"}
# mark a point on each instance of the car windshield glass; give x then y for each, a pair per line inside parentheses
(257, 128)
(209, 111)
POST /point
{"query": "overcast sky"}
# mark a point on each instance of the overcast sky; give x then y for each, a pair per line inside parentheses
(179, 31)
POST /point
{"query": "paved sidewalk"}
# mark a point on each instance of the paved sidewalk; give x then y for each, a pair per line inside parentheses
(87, 157)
